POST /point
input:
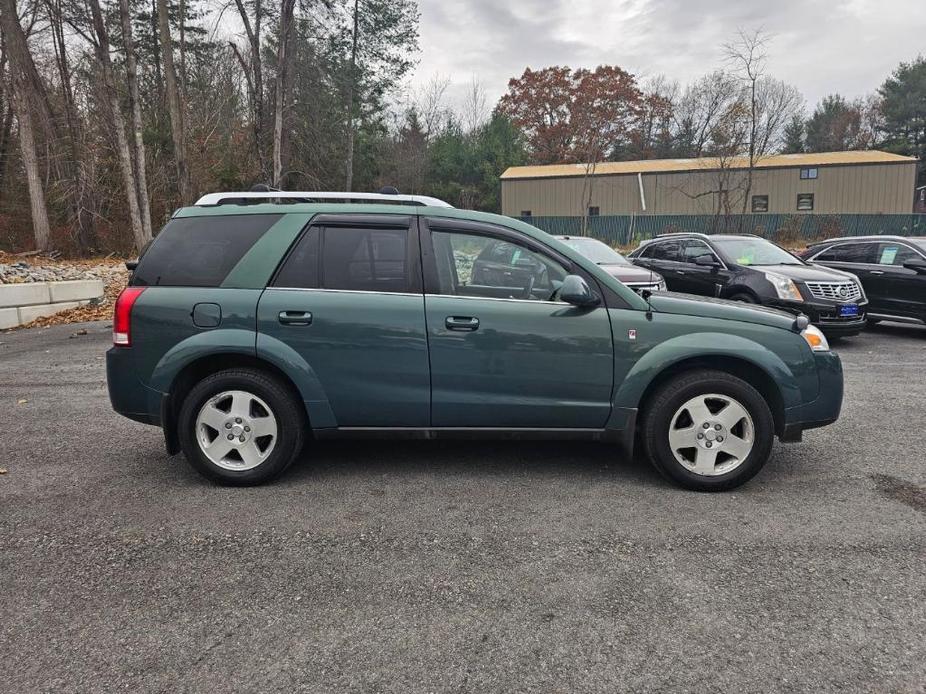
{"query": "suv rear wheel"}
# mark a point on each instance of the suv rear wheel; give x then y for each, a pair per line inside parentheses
(241, 427)
(708, 430)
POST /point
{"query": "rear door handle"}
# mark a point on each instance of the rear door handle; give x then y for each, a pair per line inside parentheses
(877, 272)
(296, 317)
(466, 324)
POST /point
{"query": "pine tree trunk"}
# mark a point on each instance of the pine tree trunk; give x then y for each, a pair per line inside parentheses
(131, 75)
(174, 105)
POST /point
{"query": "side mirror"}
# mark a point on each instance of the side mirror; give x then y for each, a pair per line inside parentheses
(706, 260)
(917, 265)
(575, 291)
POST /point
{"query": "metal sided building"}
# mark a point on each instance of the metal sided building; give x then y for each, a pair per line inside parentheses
(866, 182)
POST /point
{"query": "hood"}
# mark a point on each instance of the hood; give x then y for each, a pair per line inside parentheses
(631, 274)
(691, 305)
(805, 273)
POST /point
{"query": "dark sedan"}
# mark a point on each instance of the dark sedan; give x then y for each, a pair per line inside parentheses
(891, 268)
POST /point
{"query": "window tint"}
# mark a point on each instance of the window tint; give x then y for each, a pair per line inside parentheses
(850, 253)
(200, 251)
(895, 254)
(668, 250)
(476, 265)
(365, 259)
(301, 266)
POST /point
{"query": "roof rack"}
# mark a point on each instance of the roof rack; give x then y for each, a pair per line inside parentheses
(243, 198)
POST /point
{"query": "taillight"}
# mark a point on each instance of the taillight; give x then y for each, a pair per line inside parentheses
(122, 316)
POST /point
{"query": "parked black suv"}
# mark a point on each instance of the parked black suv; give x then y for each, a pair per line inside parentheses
(749, 268)
(892, 270)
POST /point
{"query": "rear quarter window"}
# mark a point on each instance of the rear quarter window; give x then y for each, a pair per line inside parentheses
(200, 251)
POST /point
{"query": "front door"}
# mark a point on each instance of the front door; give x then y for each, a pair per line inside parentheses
(901, 291)
(503, 351)
(348, 300)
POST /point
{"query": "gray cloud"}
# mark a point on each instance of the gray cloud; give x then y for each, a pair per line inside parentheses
(820, 46)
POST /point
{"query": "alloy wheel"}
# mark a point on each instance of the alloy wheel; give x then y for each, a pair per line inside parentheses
(236, 430)
(711, 434)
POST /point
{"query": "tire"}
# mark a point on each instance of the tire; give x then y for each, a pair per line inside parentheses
(744, 297)
(738, 449)
(260, 443)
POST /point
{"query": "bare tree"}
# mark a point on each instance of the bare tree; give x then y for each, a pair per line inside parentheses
(175, 105)
(350, 100)
(24, 97)
(285, 51)
(131, 78)
(431, 104)
(475, 110)
(111, 103)
(254, 74)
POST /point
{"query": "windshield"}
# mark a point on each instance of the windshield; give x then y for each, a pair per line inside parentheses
(755, 252)
(596, 251)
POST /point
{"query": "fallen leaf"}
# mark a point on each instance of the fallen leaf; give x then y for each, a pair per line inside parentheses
(3, 470)
(21, 401)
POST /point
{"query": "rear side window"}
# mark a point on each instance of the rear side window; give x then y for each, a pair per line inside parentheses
(850, 253)
(365, 259)
(200, 251)
(666, 251)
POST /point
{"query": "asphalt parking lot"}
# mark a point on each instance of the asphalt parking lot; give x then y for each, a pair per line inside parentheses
(449, 566)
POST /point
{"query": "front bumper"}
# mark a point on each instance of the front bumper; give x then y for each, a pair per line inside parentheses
(826, 407)
(825, 315)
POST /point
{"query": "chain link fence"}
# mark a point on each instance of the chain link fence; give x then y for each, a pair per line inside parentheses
(785, 229)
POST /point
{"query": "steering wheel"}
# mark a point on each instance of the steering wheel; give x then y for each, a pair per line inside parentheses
(529, 289)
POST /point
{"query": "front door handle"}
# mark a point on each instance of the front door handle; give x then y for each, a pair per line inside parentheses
(466, 324)
(296, 317)
(877, 272)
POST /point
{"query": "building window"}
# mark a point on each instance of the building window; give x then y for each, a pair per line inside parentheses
(526, 213)
(760, 203)
(593, 211)
(805, 202)
(810, 173)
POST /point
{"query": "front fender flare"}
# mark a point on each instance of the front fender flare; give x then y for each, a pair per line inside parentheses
(693, 345)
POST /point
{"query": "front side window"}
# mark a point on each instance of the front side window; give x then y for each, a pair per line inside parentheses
(804, 202)
(362, 259)
(668, 250)
(695, 249)
(200, 251)
(477, 265)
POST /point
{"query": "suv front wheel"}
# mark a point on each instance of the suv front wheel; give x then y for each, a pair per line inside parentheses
(241, 427)
(708, 430)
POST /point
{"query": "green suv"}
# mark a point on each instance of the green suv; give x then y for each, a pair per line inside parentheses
(255, 323)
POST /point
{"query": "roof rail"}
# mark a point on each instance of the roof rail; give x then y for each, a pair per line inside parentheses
(869, 237)
(243, 198)
(699, 235)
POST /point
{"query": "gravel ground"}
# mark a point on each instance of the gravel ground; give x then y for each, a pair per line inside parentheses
(447, 566)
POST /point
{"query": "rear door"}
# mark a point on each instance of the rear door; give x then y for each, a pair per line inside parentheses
(348, 299)
(664, 257)
(503, 351)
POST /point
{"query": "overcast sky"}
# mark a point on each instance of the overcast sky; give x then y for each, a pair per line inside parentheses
(820, 46)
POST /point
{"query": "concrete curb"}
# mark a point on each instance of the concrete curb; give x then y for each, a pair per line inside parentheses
(23, 303)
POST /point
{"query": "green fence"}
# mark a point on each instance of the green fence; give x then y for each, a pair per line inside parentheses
(627, 230)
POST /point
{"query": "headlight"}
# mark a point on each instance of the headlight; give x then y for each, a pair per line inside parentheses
(784, 286)
(815, 339)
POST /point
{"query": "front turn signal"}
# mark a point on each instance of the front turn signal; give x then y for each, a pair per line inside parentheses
(815, 338)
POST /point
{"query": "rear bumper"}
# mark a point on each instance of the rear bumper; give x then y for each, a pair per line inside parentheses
(127, 394)
(826, 407)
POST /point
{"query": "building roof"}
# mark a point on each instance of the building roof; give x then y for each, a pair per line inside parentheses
(706, 164)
